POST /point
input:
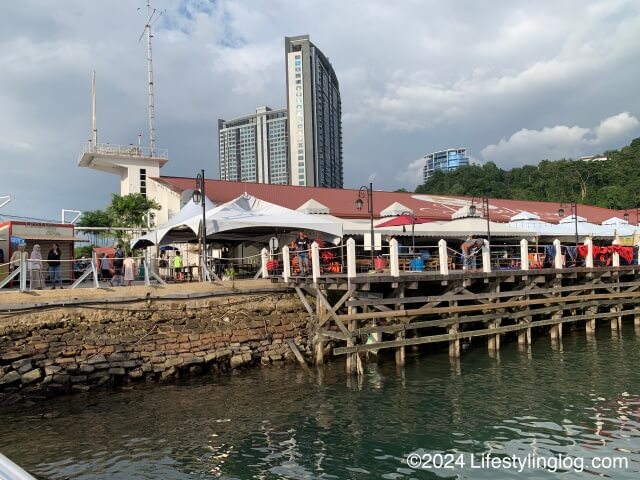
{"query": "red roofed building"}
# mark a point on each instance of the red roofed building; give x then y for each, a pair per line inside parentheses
(168, 191)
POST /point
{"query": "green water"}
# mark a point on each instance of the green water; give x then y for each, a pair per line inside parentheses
(578, 401)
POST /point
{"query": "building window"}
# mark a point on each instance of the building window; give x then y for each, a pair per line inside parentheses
(143, 181)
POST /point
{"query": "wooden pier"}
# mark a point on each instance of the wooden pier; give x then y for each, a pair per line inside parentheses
(372, 312)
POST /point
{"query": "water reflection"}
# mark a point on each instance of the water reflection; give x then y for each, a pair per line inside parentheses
(579, 397)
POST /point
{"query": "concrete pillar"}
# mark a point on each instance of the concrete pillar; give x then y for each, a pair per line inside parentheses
(616, 322)
(589, 261)
(315, 262)
(393, 258)
(494, 340)
(351, 258)
(557, 262)
(524, 335)
(319, 340)
(286, 263)
(486, 257)
(23, 272)
(454, 345)
(524, 254)
(444, 257)
(264, 258)
(400, 350)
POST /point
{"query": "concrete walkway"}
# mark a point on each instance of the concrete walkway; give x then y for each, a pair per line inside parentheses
(15, 300)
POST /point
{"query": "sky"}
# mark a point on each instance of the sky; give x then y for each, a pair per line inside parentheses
(513, 82)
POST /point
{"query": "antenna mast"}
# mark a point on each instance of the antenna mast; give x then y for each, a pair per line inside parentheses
(94, 126)
(153, 17)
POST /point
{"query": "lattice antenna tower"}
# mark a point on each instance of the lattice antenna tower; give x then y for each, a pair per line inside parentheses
(154, 16)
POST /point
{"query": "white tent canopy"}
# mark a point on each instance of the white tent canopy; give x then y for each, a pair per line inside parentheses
(524, 215)
(461, 228)
(312, 207)
(189, 215)
(244, 212)
(465, 212)
(394, 210)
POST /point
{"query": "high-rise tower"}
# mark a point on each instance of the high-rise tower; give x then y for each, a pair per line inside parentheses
(315, 116)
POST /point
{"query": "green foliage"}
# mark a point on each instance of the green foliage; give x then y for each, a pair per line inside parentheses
(84, 251)
(128, 211)
(95, 218)
(614, 183)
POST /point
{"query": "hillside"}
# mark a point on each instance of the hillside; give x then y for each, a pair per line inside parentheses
(614, 183)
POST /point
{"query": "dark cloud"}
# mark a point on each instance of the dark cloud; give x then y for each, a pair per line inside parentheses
(506, 80)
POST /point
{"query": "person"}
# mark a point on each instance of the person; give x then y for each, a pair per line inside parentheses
(14, 261)
(129, 269)
(302, 253)
(162, 266)
(35, 268)
(177, 265)
(470, 249)
(53, 260)
(105, 267)
(118, 259)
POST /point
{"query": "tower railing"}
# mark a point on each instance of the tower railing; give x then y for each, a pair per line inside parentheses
(123, 150)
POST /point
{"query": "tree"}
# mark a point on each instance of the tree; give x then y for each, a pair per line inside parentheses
(131, 210)
(128, 211)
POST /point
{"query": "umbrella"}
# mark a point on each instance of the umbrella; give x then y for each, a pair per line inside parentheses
(402, 220)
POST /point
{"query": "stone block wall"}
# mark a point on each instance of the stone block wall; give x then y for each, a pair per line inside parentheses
(65, 350)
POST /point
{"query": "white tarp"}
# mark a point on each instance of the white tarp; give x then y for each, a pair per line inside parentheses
(247, 211)
(244, 212)
(190, 214)
(461, 228)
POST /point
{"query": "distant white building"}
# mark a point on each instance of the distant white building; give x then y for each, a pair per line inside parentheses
(594, 158)
(445, 160)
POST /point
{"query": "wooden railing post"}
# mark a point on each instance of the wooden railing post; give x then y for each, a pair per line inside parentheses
(264, 258)
(615, 261)
(486, 257)
(589, 260)
(315, 262)
(393, 258)
(286, 264)
(444, 257)
(351, 258)
(524, 254)
(557, 261)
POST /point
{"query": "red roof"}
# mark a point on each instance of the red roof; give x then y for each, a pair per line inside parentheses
(341, 202)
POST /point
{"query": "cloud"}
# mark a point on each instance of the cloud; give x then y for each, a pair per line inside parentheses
(413, 174)
(553, 143)
(415, 77)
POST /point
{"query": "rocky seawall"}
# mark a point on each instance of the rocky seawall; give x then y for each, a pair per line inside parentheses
(77, 349)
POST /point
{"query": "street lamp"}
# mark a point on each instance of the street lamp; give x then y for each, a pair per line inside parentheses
(485, 209)
(367, 192)
(199, 195)
(574, 212)
(413, 231)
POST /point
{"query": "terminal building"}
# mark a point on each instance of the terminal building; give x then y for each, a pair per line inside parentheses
(444, 160)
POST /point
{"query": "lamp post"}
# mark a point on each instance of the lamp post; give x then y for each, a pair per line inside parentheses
(367, 192)
(574, 212)
(485, 209)
(199, 195)
(413, 231)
